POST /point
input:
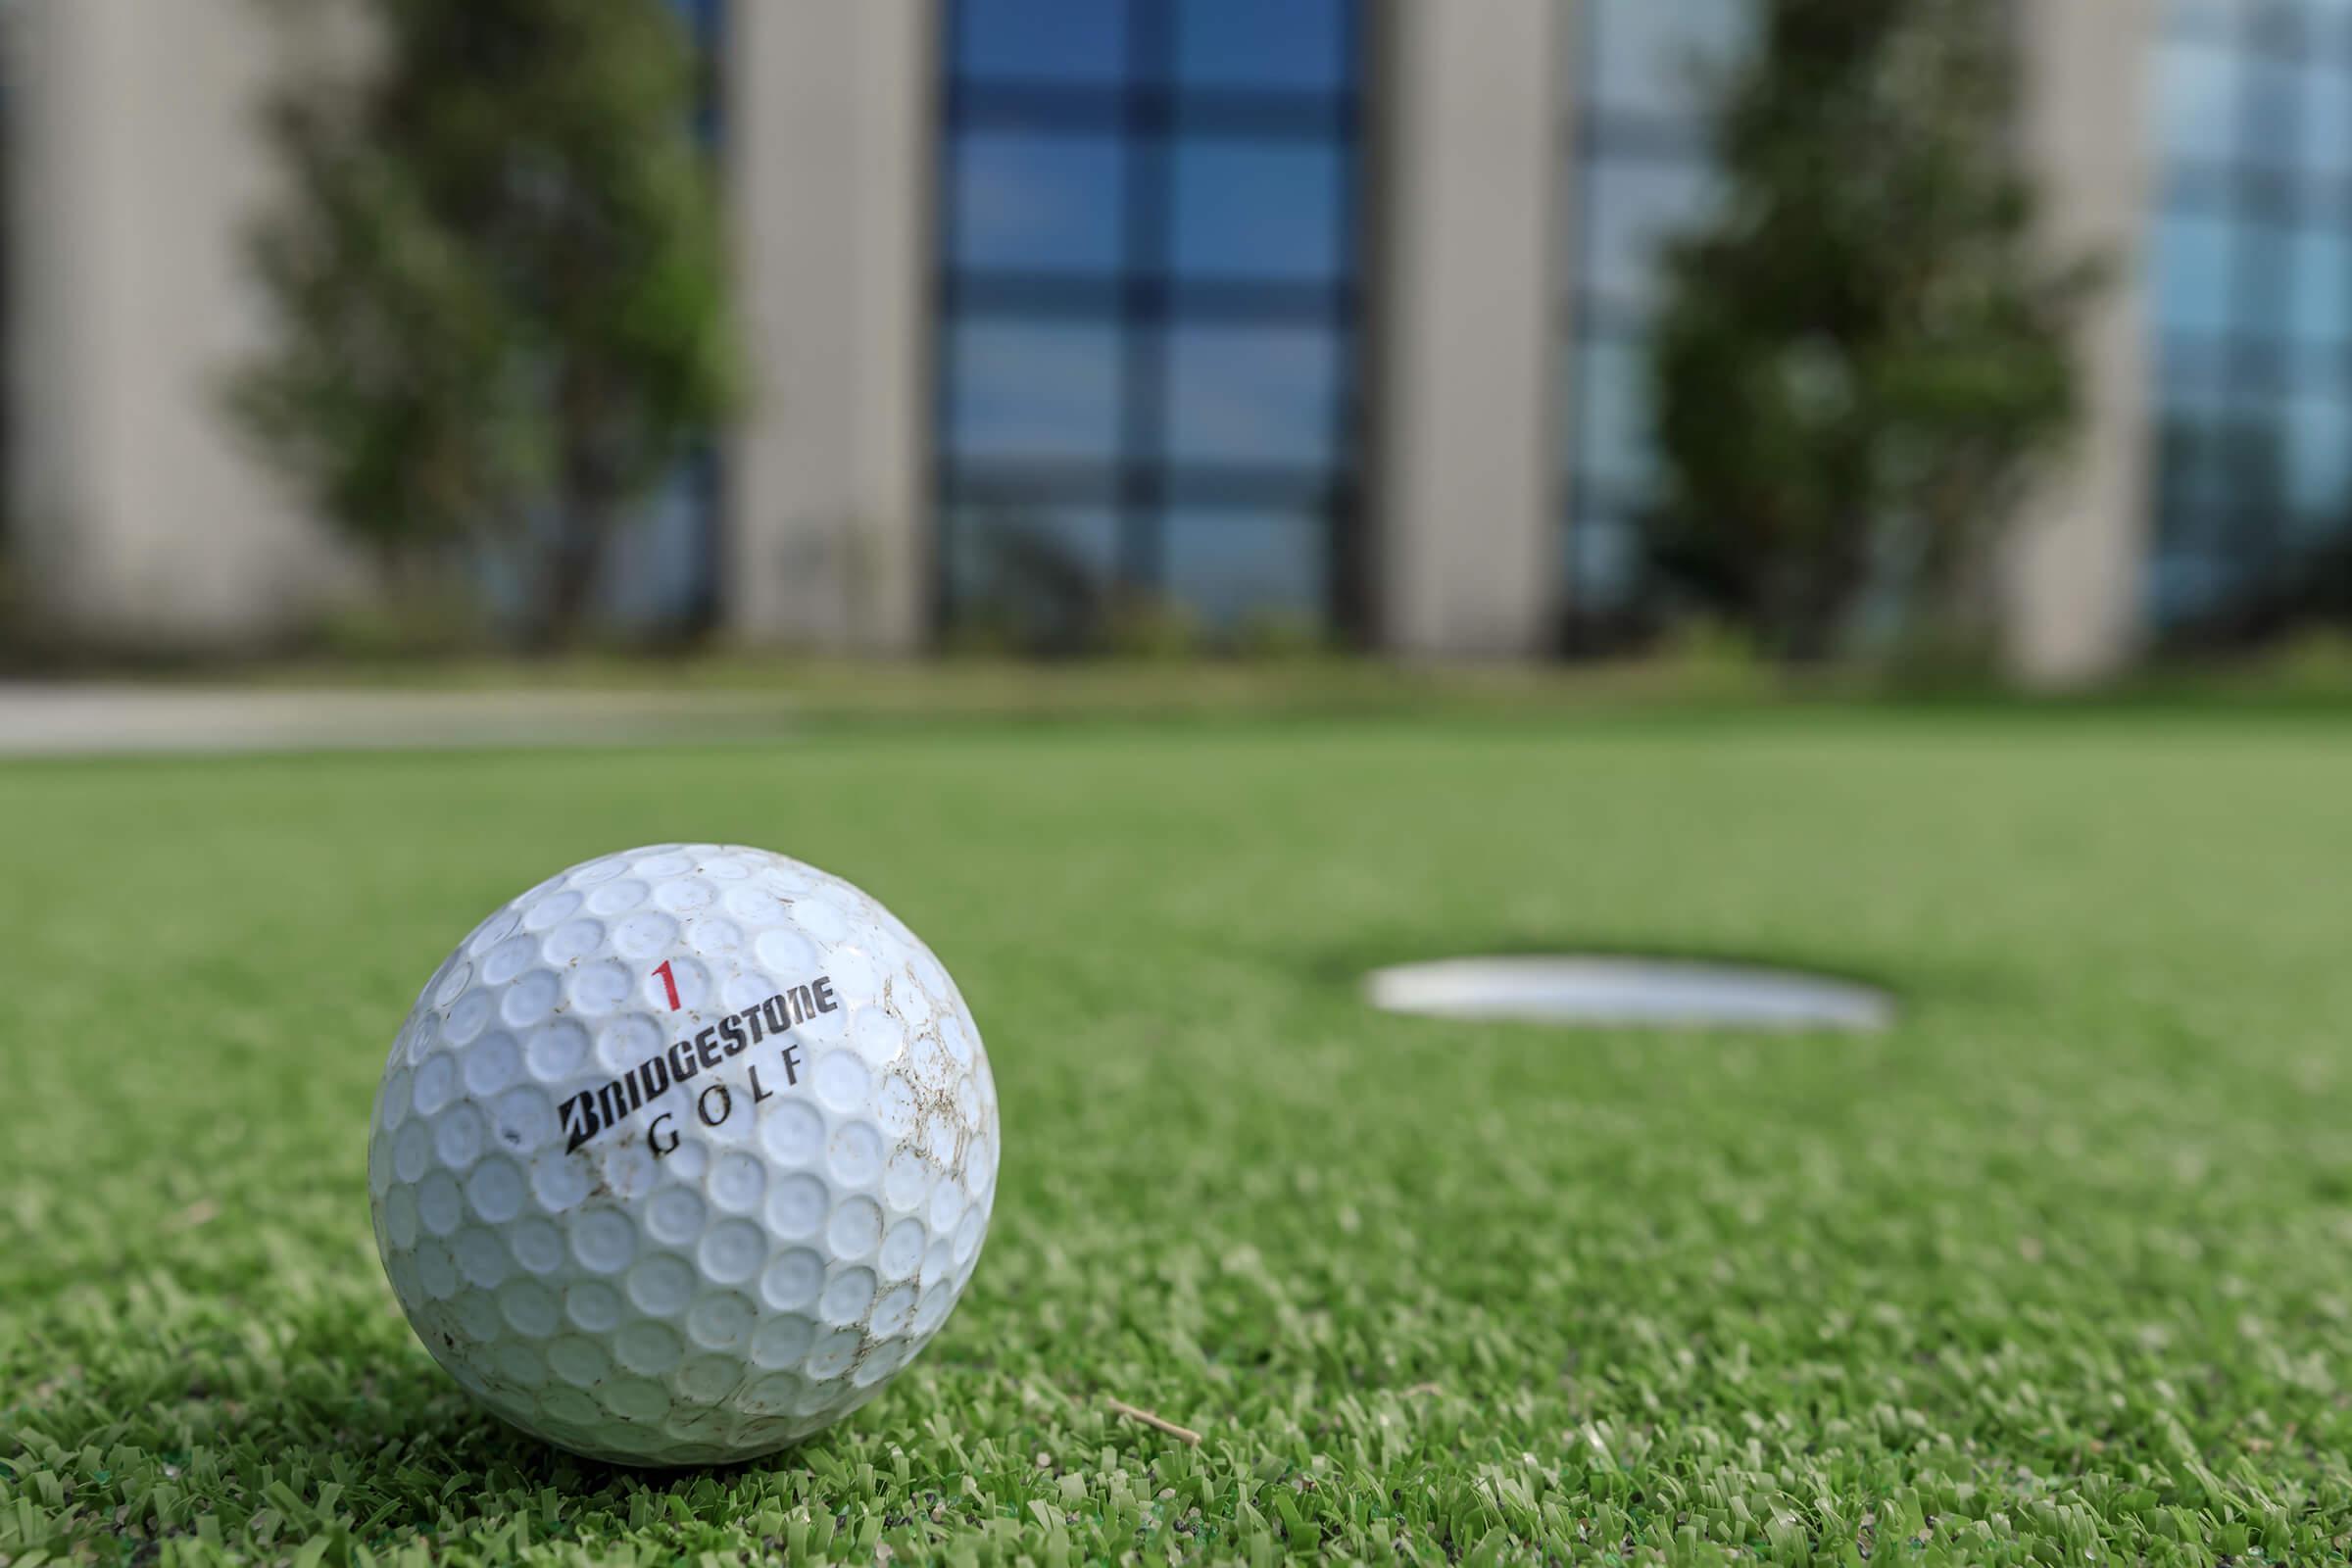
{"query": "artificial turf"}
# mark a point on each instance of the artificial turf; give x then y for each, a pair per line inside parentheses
(2056, 1271)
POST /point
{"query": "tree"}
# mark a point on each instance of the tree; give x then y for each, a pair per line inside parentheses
(500, 282)
(1860, 359)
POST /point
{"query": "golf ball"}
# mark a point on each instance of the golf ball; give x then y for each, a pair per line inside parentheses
(682, 1154)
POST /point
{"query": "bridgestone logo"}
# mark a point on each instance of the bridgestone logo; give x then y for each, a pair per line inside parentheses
(593, 1112)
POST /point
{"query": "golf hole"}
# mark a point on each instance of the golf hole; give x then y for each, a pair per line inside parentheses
(1601, 992)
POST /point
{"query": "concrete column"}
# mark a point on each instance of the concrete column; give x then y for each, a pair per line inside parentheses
(140, 517)
(830, 135)
(1465, 430)
(2074, 586)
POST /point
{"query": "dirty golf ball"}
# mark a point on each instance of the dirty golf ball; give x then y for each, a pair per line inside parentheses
(682, 1154)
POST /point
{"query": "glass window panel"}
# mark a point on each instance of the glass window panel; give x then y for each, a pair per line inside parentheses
(1040, 40)
(2193, 279)
(2271, 138)
(2194, 371)
(1034, 390)
(1232, 566)
(2185, 585)
(1610, 406)
(2248, 450)
(659, 570)
(1258, 210)
(1262, 43)
(1041, 202)
(1665, 57)
(2223, 502)
(2196, 94)
(2277, 25)
(1604, 565)
(2196, 459)
(2318, 462)
(2176, 519)
(2326, 128)
(2263, 281)
(1251, 394)
(2192, 426)
(1634, 208)
(701, 18)
(2184, 459)
(1041, 574)
(2208, 19)
(2327, 25)
(2320, 306)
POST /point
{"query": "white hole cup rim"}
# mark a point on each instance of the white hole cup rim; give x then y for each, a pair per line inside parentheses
(1616, 992)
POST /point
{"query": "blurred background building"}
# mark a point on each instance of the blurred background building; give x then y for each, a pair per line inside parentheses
(1317, 314)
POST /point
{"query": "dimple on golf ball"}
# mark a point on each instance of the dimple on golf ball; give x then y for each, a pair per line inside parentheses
(682, 1154)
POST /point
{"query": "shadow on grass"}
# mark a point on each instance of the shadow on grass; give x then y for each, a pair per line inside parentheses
(326, 1434)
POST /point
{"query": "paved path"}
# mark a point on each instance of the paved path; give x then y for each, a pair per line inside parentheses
(69, 719)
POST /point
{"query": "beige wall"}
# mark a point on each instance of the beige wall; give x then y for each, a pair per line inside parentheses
(2075, 577)
(135, 165)
(1465, 438)
(830, 127)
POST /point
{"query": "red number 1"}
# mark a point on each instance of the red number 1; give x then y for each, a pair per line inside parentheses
(669, 983)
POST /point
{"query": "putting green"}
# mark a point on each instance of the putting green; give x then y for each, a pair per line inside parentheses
(2055, 1269)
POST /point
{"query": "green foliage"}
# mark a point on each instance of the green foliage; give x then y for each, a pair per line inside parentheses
(1275, 636)
(1154, 629)
(2052, 1273)
(2316, 662)
(501, 281)
(436, 625)
(1861, 359)
(1029, 590)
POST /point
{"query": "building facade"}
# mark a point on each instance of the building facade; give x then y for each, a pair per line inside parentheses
(1319, 315)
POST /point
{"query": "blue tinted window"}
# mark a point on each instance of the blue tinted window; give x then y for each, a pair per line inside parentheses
(1250, 394)
(1040, 40)
(1604, 560)
(1238, 565)
(659, 569)
(2319, 308)
(2193, 271)
(2251, 259)
(2185, 584)
(1035, 389)
(702, 18)
(1651, 73)
(2319, 462)
(1039, 203)
(1612, 410)
(2265, 271)
(1256, 209)
(1665, 57)
(2196, 85)
(2202, 19)
(2269, 137)
(1044, 570)
(1635, 209)
(1261, 44)
(2193, 439)
(1150, 284)
(2325, 106)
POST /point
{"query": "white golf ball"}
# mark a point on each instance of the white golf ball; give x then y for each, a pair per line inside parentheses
(682, 1154)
